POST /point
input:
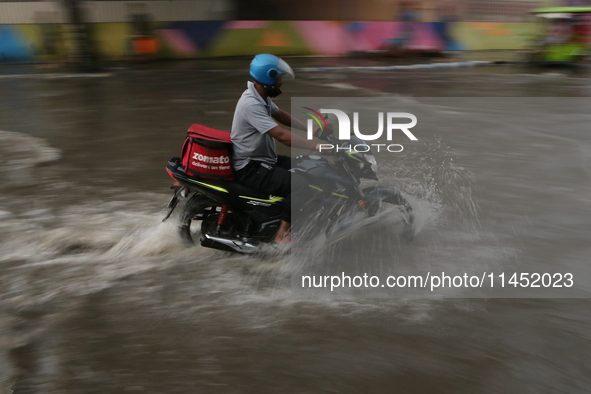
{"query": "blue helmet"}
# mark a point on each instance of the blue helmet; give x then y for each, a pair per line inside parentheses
(266, 68)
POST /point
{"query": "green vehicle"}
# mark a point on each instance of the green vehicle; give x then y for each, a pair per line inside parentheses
(566, 35)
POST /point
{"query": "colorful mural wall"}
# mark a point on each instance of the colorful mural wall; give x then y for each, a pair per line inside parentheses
(195, 39)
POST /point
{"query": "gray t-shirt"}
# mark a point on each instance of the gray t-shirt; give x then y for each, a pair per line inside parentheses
(252, 120)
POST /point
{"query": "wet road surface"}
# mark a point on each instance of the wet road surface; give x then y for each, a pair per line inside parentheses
(97, 295)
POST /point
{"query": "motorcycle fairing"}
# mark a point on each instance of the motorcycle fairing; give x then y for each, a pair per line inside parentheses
(178, 173)
(233, 194)
(315, 168)
(219, 189)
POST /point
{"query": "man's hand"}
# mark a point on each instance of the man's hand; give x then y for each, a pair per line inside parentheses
(287, 138)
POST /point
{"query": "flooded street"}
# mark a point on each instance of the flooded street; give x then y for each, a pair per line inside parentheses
(97, 295)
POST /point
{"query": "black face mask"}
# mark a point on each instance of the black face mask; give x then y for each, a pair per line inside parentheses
(272, 91)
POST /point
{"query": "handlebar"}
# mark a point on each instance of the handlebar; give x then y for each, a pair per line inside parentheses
(325, 135)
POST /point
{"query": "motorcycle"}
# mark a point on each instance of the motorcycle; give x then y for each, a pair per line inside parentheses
(239, 219)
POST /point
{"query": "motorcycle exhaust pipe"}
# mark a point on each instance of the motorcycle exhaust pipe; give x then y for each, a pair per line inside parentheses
(228, 244)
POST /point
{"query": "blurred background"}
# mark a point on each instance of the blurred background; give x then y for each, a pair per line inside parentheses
(71, 30)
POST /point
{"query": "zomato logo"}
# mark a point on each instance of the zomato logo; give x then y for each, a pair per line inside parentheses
(393, 123)
(211, 159)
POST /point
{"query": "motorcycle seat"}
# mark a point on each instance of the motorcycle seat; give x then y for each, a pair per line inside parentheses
(243, 190)
(233, 187)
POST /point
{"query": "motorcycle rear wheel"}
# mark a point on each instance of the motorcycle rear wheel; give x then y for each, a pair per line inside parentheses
(194, 209)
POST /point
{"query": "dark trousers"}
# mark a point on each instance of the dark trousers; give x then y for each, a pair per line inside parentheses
(275, 180)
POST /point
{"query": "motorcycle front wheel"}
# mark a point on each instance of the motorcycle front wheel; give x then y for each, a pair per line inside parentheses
(376, 196)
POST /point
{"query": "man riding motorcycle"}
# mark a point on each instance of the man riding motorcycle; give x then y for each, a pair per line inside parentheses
(254, 131)
(241, 216)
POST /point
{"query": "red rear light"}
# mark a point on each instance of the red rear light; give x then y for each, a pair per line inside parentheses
(172, 176)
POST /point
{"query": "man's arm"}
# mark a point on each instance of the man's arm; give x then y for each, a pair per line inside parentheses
(286, 137)
(286, 119)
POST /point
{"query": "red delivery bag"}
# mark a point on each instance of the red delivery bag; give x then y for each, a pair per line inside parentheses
(207, 153)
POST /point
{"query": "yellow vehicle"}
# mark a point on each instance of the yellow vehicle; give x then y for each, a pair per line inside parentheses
(566, 36)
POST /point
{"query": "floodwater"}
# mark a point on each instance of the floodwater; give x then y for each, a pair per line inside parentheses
(98, 295)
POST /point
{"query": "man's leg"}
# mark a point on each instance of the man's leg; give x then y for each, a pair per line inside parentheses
(274, 180)
(284, 162)
(283, 234)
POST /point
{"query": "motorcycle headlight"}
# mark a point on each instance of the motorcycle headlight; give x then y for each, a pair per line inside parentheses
(372, 160)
